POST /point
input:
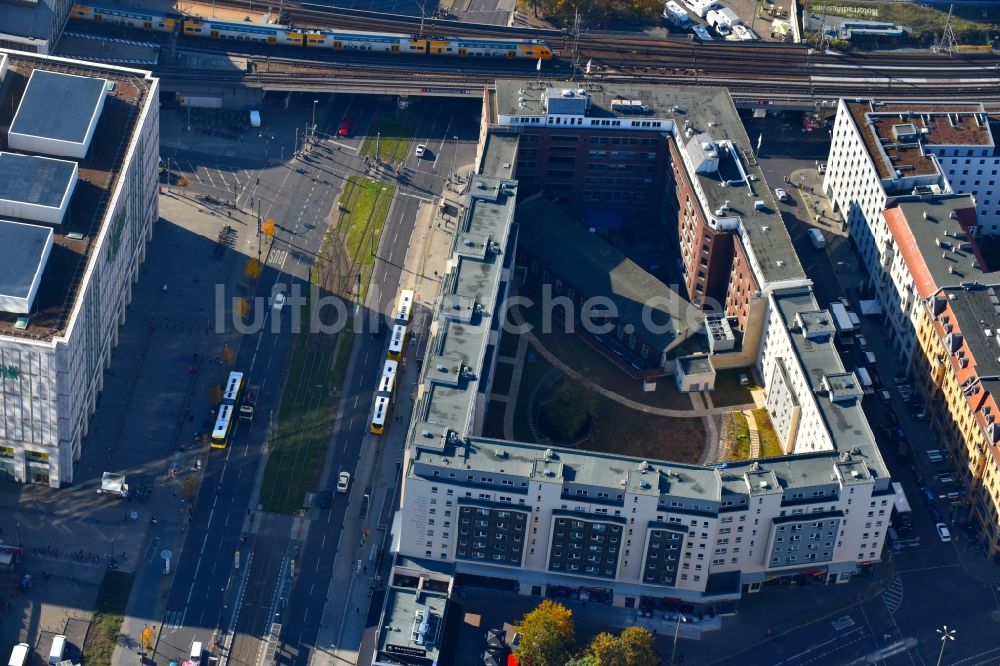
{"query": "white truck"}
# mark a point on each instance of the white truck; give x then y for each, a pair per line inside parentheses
(676, 15)
(113, 484)
(866, 381)
(701, 7)
(722, 19)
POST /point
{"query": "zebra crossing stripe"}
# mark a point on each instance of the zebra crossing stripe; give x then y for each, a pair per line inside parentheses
(116, 40)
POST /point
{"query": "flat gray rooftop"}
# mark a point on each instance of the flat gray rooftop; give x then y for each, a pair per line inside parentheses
(59, 106)
(977, 313)
(412, 624)
(845, 421)
(23, 249)
(31, 179)
(499, 155)
(935, 245)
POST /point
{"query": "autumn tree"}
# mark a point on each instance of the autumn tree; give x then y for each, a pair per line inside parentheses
(267, 227)
(584, 660)
(227, 355)
(252, 269)
(546, 635)
(215, 395)
(147, 637)
(632, 647)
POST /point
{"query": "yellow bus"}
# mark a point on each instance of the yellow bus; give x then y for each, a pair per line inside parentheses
(380, 414)
(404, 306)
(224, 420)
(397, 345)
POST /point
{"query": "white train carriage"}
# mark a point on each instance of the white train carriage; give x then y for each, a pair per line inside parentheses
(252, 32)
(350, 40)
(133, 19)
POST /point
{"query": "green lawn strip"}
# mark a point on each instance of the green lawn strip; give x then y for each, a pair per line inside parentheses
(769, 444)
(508, 344)
(501, 378)
(974, 22)
(365, 207)
(493, 425)
(530, 377)
(392, 136)
(739, 435)
(728, 391)
(618, 429)
(343, 355)
(593, 365)
(109, 613)
(305, 421)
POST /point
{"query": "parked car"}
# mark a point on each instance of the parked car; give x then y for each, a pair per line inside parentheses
(325, 498)
(821, 167)
(936, 515)
(421, 149)
(927, 495)
(780, 194)
(862, 341)
(943, 532)
(885, 396)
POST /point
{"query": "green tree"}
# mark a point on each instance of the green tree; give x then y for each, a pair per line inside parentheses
(584, 660)
(546, 635)
(632, 647)
(564, 415)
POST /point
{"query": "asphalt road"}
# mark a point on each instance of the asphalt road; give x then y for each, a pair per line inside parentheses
(439, 121)
(299, 197)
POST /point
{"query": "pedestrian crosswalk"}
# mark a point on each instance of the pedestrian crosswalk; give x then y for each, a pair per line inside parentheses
(893, 595)
(843, 622)
(173, 619)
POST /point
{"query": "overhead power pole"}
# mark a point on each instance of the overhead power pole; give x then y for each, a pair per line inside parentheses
(576, 45)
(948, 42)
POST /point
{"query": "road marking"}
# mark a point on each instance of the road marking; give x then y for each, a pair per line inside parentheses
(352, 149)
(843, 622)
(892, 597)
(173, 619)
(202, 551)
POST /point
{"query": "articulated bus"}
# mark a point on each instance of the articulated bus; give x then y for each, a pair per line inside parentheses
(227, 411)
(404, 306)
(380, 414)
(383, 396)
(397, 345)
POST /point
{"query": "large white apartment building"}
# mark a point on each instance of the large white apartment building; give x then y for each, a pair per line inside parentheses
(883, 152)
(622, 529)
(68, 255)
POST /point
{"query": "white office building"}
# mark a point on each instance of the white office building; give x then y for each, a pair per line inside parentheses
(884, 152)
(68, 255)
(619, 529)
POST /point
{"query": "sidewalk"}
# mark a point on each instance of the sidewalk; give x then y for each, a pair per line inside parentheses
(344, 618)
(809, 183)
(193, 229)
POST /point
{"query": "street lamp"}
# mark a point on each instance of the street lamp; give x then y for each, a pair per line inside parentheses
(315, 102)
(677, 631)
(946, 635)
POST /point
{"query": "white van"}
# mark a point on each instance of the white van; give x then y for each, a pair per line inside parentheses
(195, 657)
(19, 655)
(817, 238)
(870, 358)
(57, 649)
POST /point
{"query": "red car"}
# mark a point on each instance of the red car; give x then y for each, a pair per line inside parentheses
(345, 127)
